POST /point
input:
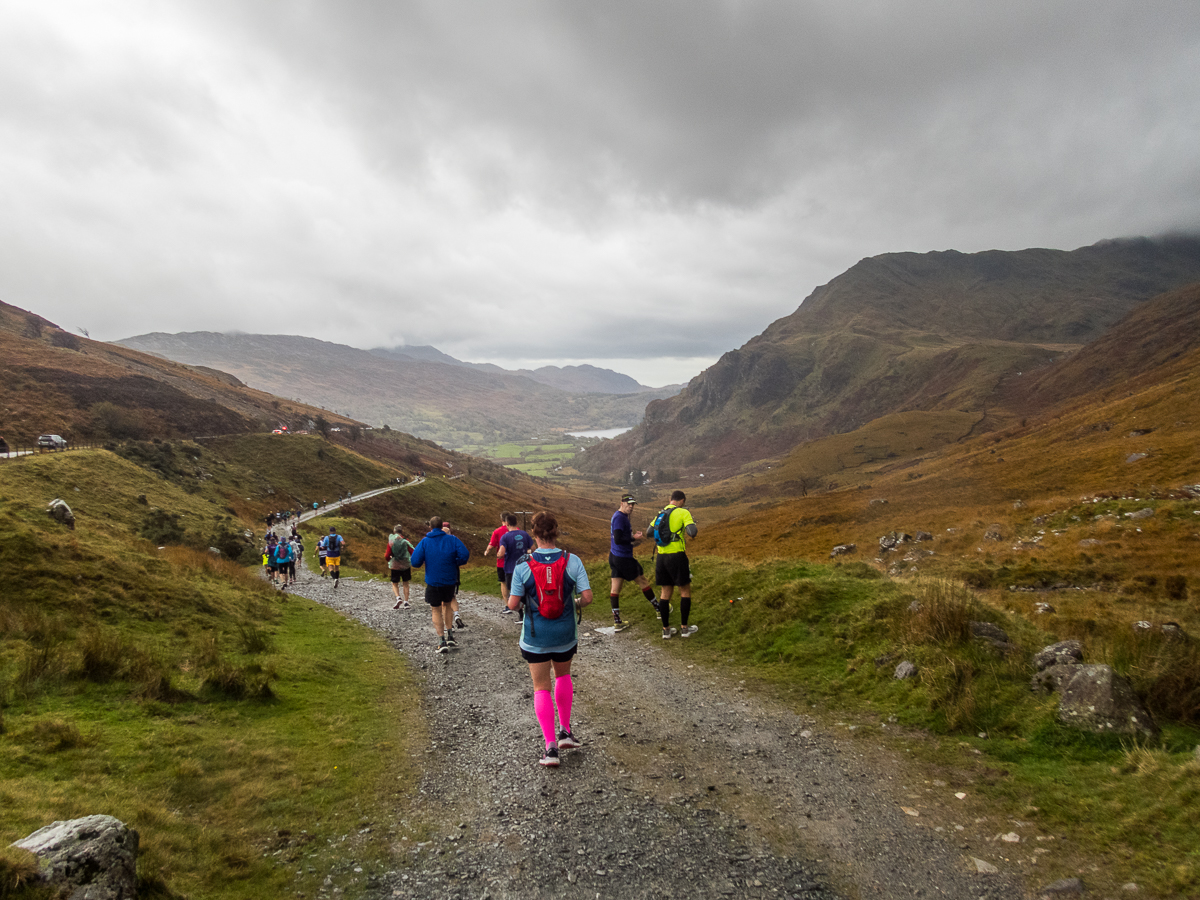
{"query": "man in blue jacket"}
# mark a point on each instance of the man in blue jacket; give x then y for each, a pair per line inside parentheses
(441, 554)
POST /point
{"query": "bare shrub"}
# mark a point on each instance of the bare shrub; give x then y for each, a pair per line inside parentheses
(255, 639)
(940, 614)
(103, 654)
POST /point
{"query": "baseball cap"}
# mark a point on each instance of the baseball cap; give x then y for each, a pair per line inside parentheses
(629, 498)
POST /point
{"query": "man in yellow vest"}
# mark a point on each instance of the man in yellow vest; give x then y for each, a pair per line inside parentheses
(671, 569)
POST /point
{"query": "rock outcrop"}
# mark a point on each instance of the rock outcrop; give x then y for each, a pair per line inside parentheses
(93, 858)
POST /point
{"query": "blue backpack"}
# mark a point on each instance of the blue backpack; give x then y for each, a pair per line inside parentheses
(660, 529)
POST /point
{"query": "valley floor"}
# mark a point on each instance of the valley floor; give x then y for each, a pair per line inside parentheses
(686, 786)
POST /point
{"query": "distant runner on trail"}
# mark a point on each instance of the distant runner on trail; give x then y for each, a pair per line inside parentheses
(441, 554)
(494, 544)
(548, 582)
(399, 560)
(285, 564)
(621, 562)
(334, 543)
(458, 622)
(671, 569)
(514, 544)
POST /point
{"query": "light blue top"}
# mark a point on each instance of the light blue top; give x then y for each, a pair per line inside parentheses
(541, 635)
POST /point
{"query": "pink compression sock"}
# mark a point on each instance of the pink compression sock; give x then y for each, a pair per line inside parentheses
(543, 708)
(564, 693)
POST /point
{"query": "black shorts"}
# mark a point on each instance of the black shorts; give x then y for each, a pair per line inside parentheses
(624, 567)
(437, 594)
(532, 657)
(399, 575)
(508, 580)
(500, 574)
(672, 570)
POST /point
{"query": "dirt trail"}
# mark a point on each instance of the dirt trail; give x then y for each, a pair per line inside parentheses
(687, 784)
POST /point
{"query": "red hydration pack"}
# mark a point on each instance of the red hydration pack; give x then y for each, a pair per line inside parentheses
(552, 585)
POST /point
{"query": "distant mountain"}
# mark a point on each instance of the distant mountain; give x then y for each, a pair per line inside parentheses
(898, 332)
(583, 379)
(428, 394)
(54, 381)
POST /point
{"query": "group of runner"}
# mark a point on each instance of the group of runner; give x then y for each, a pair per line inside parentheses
(551, 585)
(545, 586)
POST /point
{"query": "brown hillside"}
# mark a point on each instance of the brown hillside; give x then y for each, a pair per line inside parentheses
(895, 333)
(55, 381)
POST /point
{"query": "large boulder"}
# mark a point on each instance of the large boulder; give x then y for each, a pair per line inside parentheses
(1095, 698)
(93, 858)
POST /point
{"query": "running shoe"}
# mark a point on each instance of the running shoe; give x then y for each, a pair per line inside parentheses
(458, 622)
(566, 741)
(396, 605)
(667, 632)
(450, 639)
(688, 630)
(442, 646)
(550, 757)
(404, 604)
(506, 611)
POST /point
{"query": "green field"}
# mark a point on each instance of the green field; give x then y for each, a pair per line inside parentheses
(534, 457)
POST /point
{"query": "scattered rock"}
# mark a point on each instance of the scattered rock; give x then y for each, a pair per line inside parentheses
(1043, 608)
(983, 867)
(1140, 514)
(1095, 698)
(1064, 653)
(905, 670)
(892, 540)
(878, 501)
(843, 549)
(990, 632)
(1018, 504)
(1134, 457)
(993, 533)
(922, 536)
(61, 513)
(1143, 625)
(93, 858)
(1089, 542)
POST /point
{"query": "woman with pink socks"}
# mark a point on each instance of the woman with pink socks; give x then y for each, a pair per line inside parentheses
(547, 582)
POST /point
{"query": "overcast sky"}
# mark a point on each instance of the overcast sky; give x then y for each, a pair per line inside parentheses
(639, 185)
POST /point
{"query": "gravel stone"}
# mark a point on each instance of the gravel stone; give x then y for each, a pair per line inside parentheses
(687, 785)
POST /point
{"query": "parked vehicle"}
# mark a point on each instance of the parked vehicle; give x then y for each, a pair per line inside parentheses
(51, 442)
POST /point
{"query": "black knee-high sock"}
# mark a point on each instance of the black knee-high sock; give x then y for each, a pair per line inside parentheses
(615, 601)
(648, 593)
(664, 611)
(685, 607)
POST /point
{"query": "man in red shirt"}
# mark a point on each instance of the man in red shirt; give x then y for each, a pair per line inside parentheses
(494, 544)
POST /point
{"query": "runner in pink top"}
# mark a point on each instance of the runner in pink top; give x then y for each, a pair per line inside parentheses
(494, 545)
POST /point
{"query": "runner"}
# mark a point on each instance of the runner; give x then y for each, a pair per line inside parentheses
(285, 562)
(621, 562)
(297, 552)
(441, 554)
(333, 554)
(514, 544)
(548, 581)
(458, 622)
(494, 544)
(322, 557)
(671, 569)
(399, 560)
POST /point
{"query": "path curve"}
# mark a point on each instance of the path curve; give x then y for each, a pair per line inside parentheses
(687, 786)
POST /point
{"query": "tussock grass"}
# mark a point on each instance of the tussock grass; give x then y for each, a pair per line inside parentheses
(174, 690)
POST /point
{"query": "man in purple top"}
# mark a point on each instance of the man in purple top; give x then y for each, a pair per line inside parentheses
(514, 544)
(621, 563)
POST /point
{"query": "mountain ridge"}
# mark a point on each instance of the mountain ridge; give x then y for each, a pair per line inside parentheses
(896, 332)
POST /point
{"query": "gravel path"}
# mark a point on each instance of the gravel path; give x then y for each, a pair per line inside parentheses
(686, 786)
